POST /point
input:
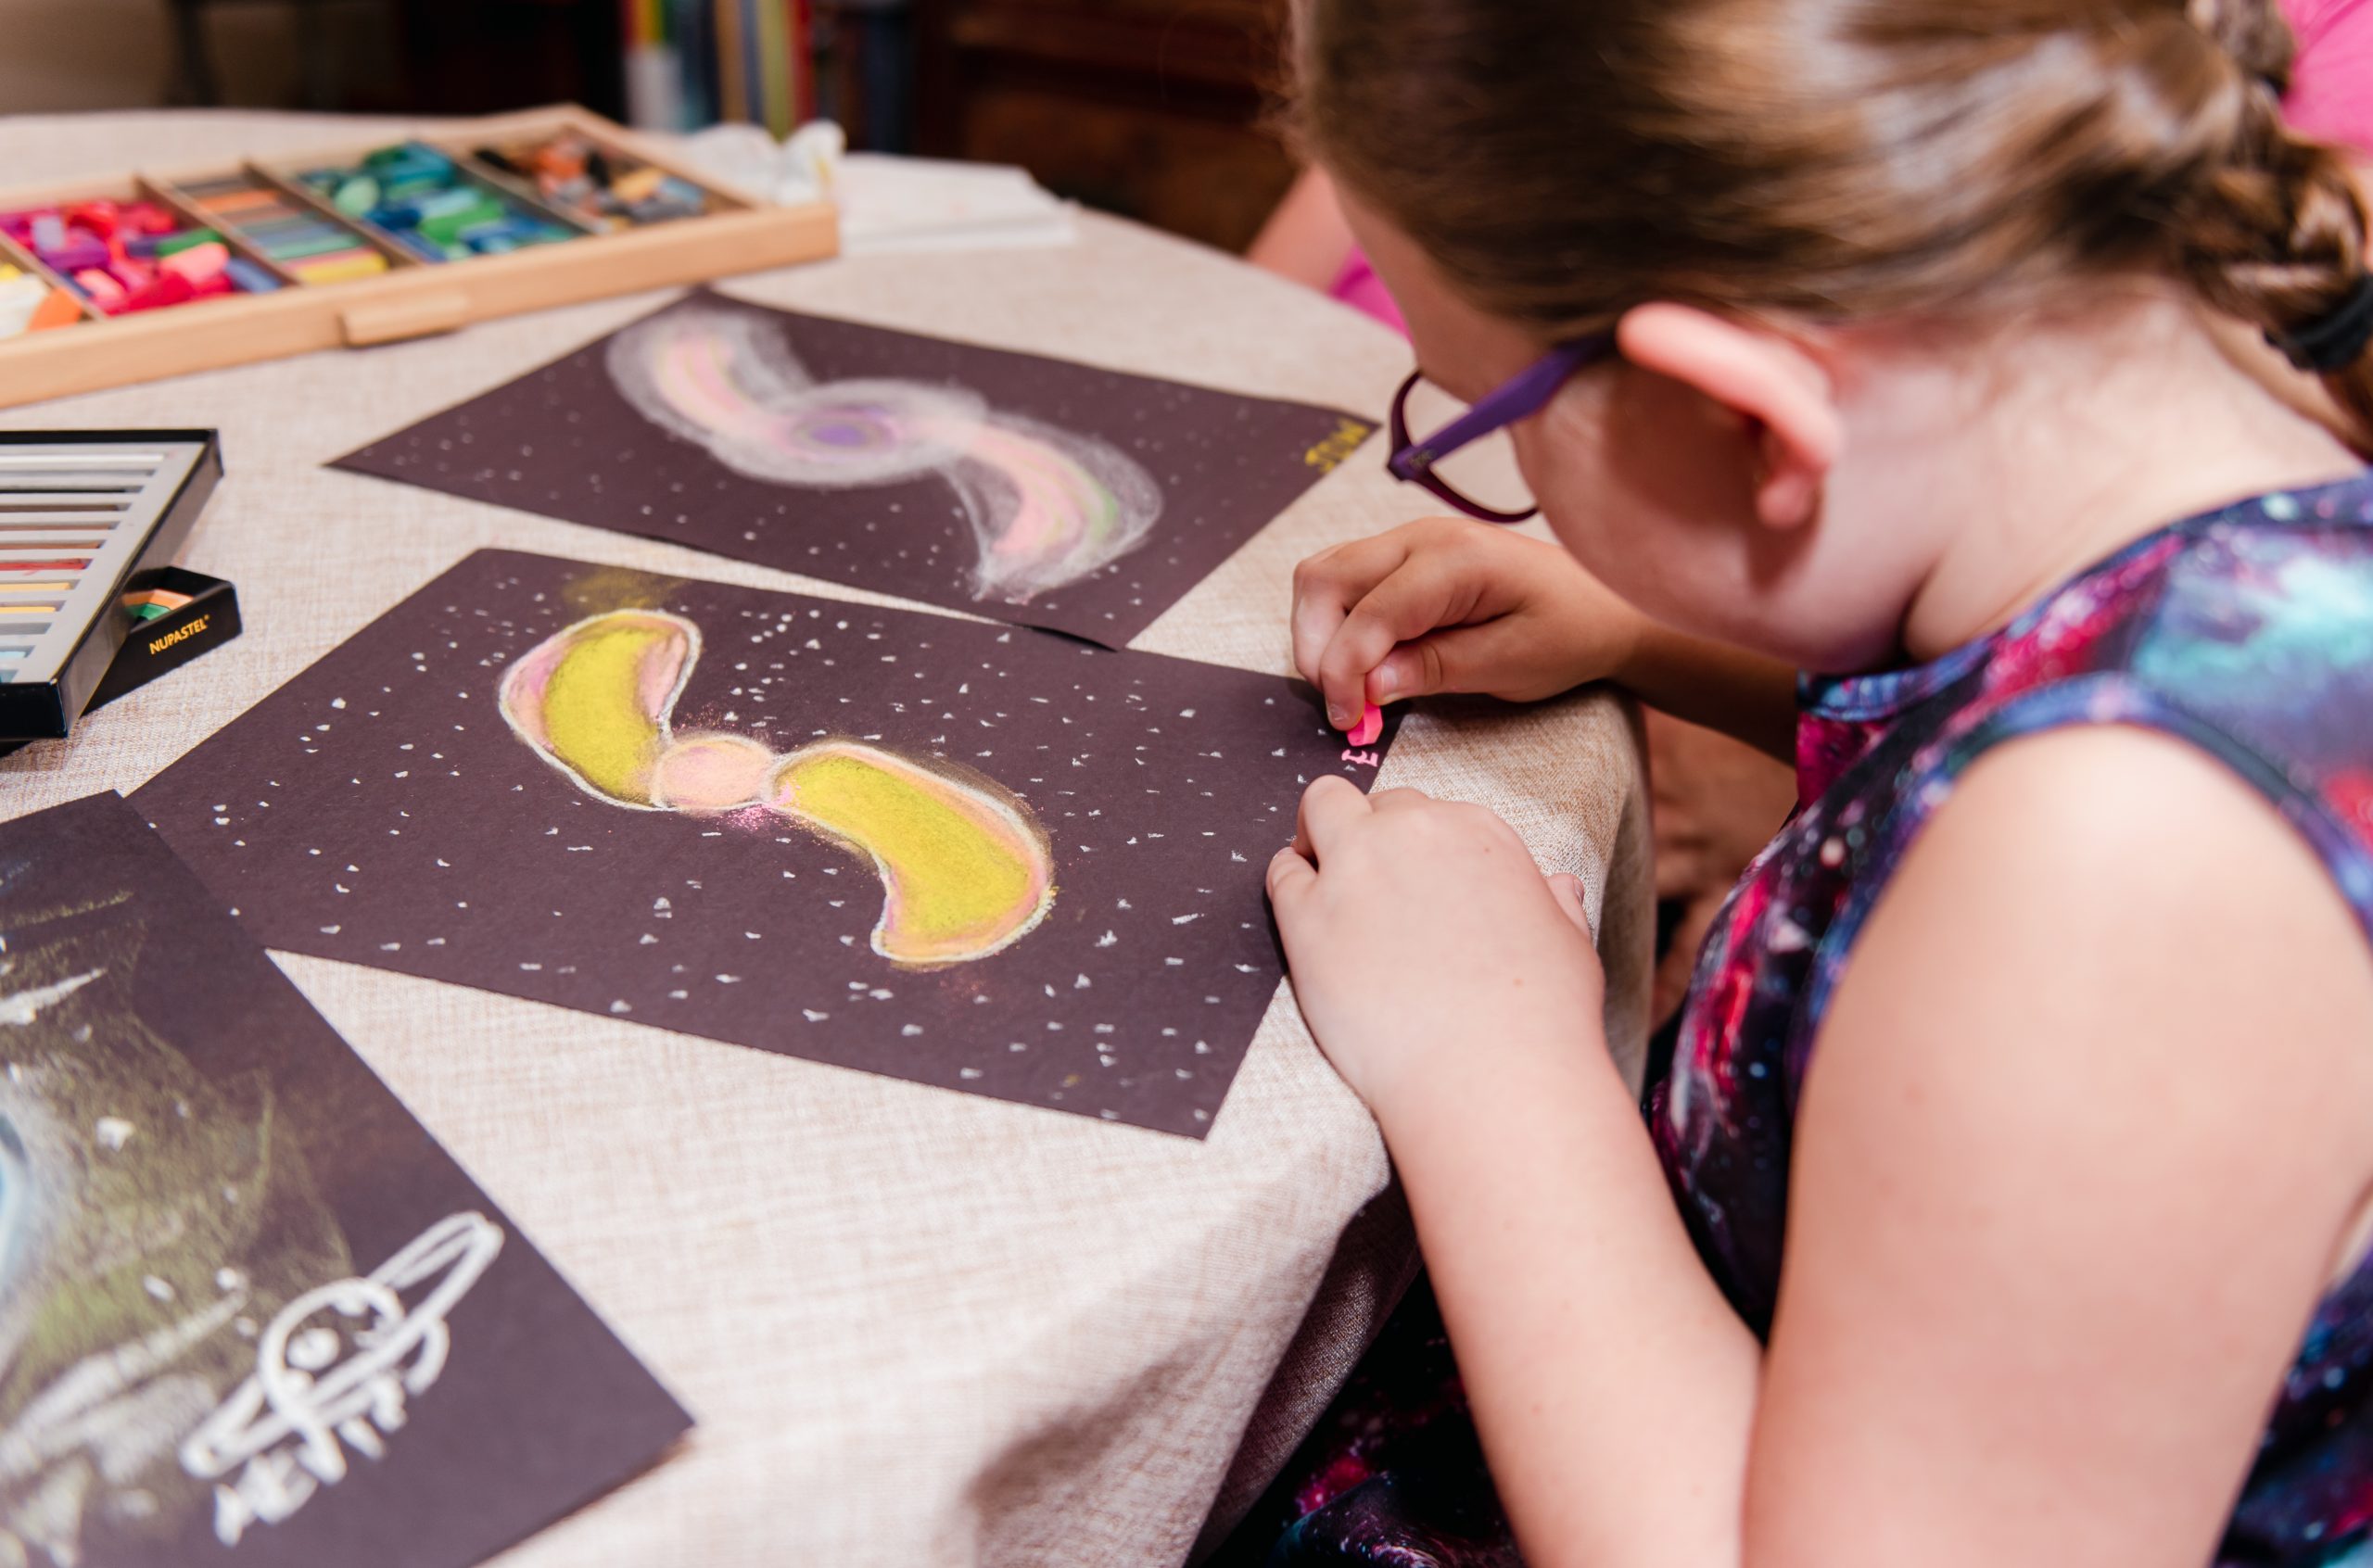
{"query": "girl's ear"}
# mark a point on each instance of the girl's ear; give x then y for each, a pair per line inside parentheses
(1780, 394)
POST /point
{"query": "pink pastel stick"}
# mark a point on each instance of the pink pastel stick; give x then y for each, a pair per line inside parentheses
(1371, 725)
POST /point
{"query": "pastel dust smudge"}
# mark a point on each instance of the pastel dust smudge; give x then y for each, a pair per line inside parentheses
(1047, 506)
(965, 868)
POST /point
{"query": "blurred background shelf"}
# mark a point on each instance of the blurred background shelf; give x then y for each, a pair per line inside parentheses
(1150, 108)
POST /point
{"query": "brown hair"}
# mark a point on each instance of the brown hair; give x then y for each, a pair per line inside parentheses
(1561, 160)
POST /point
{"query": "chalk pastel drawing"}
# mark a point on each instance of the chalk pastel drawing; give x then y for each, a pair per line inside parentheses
(152, 1219)
(965, 868)
(594, 701)
(1048, 507)
(333, 1371)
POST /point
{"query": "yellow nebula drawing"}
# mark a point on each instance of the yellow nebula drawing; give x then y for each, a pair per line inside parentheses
(965, 868)
(963, 871)
(594, 700)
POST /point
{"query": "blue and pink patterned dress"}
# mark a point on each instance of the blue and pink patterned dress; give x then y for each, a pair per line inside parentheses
(2247, 631)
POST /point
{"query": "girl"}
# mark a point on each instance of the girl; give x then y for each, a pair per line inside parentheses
(1717, 801)
(2006, 1199)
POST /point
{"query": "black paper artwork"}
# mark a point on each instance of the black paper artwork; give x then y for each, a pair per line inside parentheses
(1028, 489)
(965, 855)
(250, 1313)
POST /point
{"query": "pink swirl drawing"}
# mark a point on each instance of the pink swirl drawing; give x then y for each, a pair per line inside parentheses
(1048, 507)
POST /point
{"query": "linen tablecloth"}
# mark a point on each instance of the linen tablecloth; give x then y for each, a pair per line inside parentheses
(916, 1327)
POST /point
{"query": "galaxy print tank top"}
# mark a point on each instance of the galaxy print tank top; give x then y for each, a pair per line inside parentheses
(2248, 632)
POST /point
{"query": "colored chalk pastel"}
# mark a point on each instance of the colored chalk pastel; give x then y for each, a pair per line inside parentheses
(189, 239)
(1371, 725)
(322, 245)
(61, 309)
(248, 278)
(199, 263)
(74, 256)
(169, 289)
(363, 264)
(447, 227)
(236, 201)
(100, 286)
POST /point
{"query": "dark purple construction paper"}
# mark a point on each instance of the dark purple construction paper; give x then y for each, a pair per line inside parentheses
(378, 809)
(188, 1138)
(561, 442)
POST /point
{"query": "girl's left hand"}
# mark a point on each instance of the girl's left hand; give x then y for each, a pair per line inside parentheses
(1419, 932)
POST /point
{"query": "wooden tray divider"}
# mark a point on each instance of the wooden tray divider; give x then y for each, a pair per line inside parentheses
(168, 195)
(12, 252)
(362, 229)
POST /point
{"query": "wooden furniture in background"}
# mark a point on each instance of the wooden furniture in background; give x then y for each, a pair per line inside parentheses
(483, 57)
(1150, 108)
(201, 85)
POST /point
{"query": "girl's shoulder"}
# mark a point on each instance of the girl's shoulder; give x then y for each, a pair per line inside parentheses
(2236, 647)
(2244, 636)
(2247, 630)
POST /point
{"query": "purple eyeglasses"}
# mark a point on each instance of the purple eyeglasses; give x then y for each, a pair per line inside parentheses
(1520, 395)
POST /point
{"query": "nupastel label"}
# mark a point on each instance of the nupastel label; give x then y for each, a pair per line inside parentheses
(158, 645)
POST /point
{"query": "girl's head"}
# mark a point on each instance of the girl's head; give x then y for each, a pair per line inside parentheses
(1850, 203)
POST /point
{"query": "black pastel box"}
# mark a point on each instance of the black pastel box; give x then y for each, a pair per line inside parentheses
(173, 638)
(85, 516)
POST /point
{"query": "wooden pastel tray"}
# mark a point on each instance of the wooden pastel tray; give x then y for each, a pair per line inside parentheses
(736, 232)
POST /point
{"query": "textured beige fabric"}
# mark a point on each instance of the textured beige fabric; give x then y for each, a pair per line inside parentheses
(917, 1327)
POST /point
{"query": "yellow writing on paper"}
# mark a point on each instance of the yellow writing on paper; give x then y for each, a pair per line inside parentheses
(1328, 454)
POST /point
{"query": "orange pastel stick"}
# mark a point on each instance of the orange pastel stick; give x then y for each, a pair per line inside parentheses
(61, 309)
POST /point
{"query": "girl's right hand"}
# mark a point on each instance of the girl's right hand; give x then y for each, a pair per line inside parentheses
(1447, 604)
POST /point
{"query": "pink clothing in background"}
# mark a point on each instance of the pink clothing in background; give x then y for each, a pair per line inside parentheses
(1358, 286)
(2331, 99)
(2331, 80)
